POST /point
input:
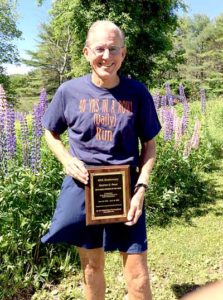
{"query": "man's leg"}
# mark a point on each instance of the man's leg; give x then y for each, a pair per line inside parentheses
(137, 276)
(92, 263)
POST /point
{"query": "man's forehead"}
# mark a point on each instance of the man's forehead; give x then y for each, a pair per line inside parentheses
(104, 34)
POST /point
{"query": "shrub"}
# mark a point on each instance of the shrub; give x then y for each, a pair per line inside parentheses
(27, 202)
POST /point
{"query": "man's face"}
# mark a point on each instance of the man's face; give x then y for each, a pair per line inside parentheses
(105, 53)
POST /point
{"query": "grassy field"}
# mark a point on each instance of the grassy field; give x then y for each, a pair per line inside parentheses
(182, 256)
(26, 104)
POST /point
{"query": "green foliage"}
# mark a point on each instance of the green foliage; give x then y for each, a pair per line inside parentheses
(8, 32)
(27, 202)
(177, 183)
(214, 119)
(25, 88)
(148, 26)
(6, 83)
(52, 57)
(201, 40)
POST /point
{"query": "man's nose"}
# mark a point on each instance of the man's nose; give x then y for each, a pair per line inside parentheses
(106, 53)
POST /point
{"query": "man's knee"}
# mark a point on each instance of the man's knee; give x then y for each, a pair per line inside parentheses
(138, 282)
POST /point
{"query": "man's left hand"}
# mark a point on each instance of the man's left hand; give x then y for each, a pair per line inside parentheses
(136, 207)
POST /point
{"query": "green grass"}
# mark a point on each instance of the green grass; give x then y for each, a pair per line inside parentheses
(25, 104)
(181, 257)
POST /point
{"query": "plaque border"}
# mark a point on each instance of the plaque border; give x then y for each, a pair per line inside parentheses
(124, 170)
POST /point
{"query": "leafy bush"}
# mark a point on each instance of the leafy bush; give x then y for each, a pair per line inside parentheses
(176, 183)
(27, 202)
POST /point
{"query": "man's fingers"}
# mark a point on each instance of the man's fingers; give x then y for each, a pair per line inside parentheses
(134, 213)
(80, 165)
(130, 216)
(77, 170)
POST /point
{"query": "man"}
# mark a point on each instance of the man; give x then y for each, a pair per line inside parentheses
(81, 105)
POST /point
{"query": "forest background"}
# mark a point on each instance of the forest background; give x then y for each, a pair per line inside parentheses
(180, 59)
(169, 48)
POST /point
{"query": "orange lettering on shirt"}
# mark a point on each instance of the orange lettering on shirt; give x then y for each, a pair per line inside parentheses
(94, 106)
(103, 135)
(124, 106)
(82, 105)
(104, 107)
(113, 107)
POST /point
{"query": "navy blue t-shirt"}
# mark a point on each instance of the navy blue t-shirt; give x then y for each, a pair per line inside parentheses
(103, 124)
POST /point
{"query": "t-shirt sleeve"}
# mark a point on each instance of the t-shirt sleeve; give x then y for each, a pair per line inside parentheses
(54, 118)
(148, 122)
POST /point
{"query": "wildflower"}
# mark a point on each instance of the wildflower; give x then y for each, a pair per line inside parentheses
(203, 100)
(185, 117)
(193, 143)
(25, 140)
(3, 152)
(163, 101)
(10, 131)
(37, 130)
(156, 100)
(178, 130)
(169, 95)
(168, 124)
(196, 135)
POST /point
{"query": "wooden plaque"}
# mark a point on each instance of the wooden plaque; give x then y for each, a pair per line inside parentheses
(107, 195)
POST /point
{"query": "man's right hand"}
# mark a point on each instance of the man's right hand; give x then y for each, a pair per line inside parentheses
(75, 168)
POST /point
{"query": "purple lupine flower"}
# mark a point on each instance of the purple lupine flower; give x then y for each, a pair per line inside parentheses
(181, 91)
(163, 101)
(3, 104)
(187, 149)
(193, 143)
(37, 130)
(35, 154)
(156, 100)
(169, 95)
(25, 140)
(174, 113)
(196, 135)
(3, 149)
(38, 112)
(162, 114)
(168, 124)
(178, 131)
(19, 115)
(203, 100)
(10, 131)
(43, 100)
(37, 120)
(185, 117)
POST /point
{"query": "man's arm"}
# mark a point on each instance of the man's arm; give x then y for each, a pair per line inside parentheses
(72, 165)
(212, 291)
(147, 160)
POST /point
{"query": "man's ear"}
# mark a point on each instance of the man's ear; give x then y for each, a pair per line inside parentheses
(86, 53)
(124, 51)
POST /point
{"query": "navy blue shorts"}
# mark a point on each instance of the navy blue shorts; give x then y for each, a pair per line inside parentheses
(69, 226)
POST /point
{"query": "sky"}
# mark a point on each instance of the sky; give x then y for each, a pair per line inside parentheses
(31, 16)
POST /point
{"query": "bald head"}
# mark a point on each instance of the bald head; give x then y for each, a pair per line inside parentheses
(103, 24)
